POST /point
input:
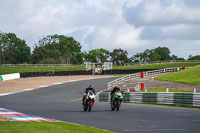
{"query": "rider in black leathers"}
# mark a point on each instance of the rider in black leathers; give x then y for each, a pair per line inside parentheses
(115, 89)
(86, 91)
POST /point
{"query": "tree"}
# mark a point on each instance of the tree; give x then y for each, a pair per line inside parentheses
(140, 57)
(153, 56)
(119, 56)
(164, 53)
(92, 56)
(13, 50)
(103, 55)
(97, 55)
(57, 49)
(2, 48)
(157, 54)
(174, 57)
(146, 56)
(197, 57)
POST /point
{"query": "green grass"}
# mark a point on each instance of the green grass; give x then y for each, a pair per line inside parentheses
(164, 90)
(158, 66)
(8, 70)
(18, 69)
(46, 127)
(189, 76)
(77, 100)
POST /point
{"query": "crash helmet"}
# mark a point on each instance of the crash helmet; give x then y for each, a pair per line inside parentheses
(117, 86)
(90, 86)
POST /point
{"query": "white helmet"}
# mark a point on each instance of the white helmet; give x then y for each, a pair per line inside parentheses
(90, 86)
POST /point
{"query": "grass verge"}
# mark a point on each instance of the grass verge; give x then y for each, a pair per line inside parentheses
(18, 69)
(77, 100)
(158, 66)
(189, 76)
(8, 70)
(46, 127)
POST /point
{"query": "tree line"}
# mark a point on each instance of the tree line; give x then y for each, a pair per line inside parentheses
(60, 49)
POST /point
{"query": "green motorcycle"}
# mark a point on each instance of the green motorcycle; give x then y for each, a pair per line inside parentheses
(116, 100)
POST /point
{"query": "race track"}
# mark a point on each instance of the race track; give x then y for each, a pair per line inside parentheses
(55, 102)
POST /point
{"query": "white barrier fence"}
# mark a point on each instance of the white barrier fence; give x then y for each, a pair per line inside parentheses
(123, 79)
(10, 76)
(166, 98)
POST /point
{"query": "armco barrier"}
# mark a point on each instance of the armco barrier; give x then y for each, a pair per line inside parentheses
(196, 99)
(135, 97)
(184, 99)
(10, 76)
(104, 96)
(181, 99)
(163, 98)
(149, 98)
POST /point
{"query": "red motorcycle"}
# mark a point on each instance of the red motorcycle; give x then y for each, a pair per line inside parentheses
(89, 101)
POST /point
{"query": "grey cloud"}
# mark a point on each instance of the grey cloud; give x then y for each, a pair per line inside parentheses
(182, 32)
(161, 12)
(128, 24)
(84, 35)
(192, 3)
(134, 15)
(155, 25)
(166, 3)
(151, 32)
(179, 32)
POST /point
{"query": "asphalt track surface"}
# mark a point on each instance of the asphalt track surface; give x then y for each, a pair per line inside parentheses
(55, 102)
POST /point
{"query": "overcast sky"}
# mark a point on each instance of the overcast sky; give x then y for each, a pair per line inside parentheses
(133, 25)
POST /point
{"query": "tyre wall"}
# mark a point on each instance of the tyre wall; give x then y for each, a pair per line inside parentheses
(63, 73)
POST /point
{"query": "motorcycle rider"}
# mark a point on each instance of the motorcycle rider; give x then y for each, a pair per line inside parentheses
(90, 88)
(115, 89)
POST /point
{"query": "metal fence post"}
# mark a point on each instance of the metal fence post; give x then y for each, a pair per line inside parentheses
(109, 97)
(194, 90)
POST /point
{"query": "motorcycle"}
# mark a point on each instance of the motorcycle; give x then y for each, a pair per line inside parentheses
(89, 101)
(116, 100)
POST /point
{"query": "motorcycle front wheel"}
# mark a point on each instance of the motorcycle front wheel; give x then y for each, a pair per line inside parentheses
(117, 105)
(85, 107)
(89, 106)
(112, 105)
